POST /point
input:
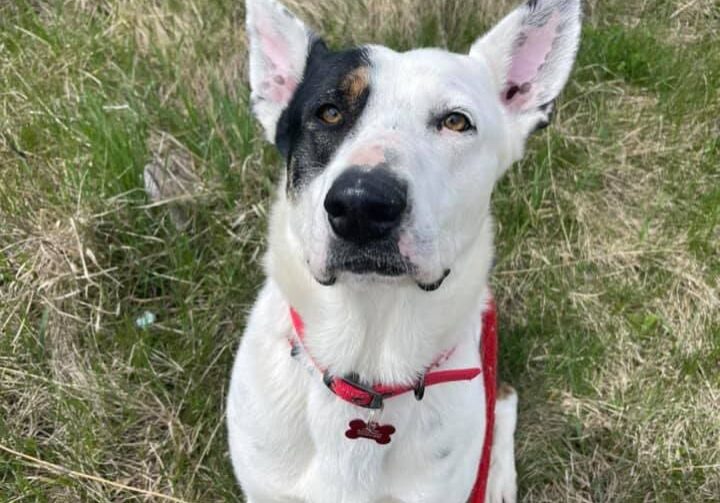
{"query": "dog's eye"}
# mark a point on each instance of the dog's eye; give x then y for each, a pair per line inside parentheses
(457, 122)
(330, 115)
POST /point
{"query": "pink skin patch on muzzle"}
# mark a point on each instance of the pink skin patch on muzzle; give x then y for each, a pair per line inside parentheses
(371, 155)
(406, 246)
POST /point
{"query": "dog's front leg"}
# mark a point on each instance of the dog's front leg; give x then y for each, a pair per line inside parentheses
(502, 483)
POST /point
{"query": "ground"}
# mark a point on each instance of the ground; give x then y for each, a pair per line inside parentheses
(608, 246)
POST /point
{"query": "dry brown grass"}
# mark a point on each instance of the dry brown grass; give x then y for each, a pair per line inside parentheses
(619, 233)
(185, 33)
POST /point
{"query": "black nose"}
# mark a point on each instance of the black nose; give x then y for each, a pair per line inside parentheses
(365, 205)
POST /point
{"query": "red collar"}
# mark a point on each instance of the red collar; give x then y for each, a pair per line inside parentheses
(351, 391)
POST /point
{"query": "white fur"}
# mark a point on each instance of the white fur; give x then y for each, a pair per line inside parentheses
(286, 429)
(502, 484)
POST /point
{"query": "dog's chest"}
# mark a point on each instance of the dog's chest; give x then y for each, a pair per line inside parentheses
(289, 431)
(433, 439)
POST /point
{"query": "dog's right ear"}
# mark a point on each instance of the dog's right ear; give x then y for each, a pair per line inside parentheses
(279, 48)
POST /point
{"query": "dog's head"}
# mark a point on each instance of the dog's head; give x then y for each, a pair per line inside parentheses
(391, 157)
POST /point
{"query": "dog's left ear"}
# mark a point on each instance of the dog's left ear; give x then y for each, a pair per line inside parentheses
(279, 47)
(530, 54)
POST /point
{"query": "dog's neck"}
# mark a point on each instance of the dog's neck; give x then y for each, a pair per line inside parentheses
(386, 332)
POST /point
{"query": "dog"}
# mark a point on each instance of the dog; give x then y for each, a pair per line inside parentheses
(379, 254)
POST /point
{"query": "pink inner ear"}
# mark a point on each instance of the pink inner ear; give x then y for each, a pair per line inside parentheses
(279, 83)
(527, 61)
(279, 92)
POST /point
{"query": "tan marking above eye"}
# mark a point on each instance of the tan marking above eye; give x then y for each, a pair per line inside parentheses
(356, 82)
(329, 114)
(456, 122)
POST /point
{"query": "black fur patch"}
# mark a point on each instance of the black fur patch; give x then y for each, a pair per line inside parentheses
(549, 109)
(303, 139)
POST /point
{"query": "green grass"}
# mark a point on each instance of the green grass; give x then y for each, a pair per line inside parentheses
(608, 245)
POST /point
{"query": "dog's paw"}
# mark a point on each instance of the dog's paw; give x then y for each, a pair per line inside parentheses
(502, 485)
(502, 479)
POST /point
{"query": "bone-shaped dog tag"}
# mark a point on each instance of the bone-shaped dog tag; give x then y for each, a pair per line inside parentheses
(380, 433)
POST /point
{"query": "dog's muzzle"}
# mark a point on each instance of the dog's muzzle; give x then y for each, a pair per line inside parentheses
(366, 207)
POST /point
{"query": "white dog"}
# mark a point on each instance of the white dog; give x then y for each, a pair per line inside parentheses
(380, 248)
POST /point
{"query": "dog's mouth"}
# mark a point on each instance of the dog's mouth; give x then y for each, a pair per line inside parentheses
(431, 287)
(331, 279)
(381, 260)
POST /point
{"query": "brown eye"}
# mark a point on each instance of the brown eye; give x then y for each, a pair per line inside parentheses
(329, 114)
(456, 122)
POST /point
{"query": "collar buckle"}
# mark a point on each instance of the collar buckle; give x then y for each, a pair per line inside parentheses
(349, 389)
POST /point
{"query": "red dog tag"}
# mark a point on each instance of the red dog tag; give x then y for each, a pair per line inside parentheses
(372, 430)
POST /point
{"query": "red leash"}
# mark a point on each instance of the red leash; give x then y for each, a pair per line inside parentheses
(488, 356)
(372, 397)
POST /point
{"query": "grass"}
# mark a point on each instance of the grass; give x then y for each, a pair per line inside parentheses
(608, 247)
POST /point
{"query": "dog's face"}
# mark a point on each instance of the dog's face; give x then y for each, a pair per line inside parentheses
(391, 157)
